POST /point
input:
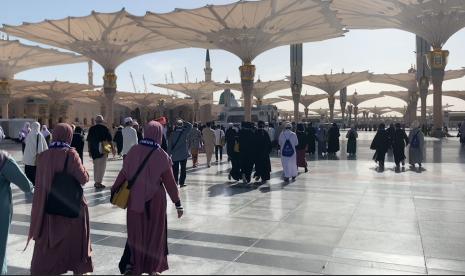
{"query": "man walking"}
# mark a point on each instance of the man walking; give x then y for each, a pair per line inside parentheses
(288, 142)
(100, 145)
(178, 150)
(219, 143)
(208, 136)
(195, 143)
(129, 136)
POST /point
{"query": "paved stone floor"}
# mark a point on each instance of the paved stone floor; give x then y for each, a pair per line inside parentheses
(341, 218)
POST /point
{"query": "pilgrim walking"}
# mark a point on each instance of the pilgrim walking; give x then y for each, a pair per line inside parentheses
(147, 244)
(10, 173)
(62, 241)
(288, 141)
(263, 148)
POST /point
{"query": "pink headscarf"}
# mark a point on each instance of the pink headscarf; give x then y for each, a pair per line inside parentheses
(154, 130)
(149, 180)
(62, 133)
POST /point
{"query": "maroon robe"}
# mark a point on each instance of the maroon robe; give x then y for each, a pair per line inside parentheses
(146, 213)
(61, 244)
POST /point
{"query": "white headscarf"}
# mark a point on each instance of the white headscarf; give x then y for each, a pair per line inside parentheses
(35, 144)
(45, 132)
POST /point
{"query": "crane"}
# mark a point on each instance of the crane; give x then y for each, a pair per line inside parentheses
(145, 84)
(133, 83)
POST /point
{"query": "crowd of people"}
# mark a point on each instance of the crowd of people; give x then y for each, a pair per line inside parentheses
(155, 164)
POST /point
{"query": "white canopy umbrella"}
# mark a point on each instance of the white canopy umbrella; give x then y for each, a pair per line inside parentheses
(247, 29)
(16, 57)
(108, 38)
(333, 83)
(433, 20)
(197, 91)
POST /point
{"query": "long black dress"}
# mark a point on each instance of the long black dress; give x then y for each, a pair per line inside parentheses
(381, 145)
(232, 137)
(399, 142)
(352, 142)
(311, 138)
(78, 144)
(118, 139)
(247, 151)
(333, 139)
(263, 149)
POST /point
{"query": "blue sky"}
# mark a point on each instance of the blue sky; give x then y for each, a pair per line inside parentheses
(380, 51)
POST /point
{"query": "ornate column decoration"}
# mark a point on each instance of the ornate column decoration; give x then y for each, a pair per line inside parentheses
(247, 71)
(109, 90)
(437, 61)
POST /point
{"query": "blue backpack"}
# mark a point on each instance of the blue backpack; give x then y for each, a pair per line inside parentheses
(288, 149)
(415, 141)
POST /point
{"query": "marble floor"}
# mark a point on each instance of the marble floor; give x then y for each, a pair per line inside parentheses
(342, 217)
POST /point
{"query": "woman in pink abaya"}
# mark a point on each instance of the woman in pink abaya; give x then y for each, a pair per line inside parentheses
(61, 244)
(146, 213)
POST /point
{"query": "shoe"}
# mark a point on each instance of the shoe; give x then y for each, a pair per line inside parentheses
(257, 178)
(293, 179)
(182, 185)
(286, 179)
(229, 177)
(306, 170)
(99, 186)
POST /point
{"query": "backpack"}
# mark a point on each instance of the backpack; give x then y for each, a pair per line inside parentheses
(288, 149)
(415, 142)
(65, 196)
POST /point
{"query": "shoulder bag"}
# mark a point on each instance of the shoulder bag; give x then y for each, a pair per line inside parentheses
(121, 197)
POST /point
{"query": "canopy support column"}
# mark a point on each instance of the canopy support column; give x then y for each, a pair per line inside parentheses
(331, 102)
(296, 77)
(5, 96)
(109, 90)
(306, 110)
(247, 81)
(343, 102)
(437, 61)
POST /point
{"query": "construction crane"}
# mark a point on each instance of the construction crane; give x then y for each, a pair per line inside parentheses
(145, 84)
(133, 83)
(167, 90)
(186, 75)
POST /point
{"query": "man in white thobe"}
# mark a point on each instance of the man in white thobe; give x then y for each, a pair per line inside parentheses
(129, 136)
(289, 163)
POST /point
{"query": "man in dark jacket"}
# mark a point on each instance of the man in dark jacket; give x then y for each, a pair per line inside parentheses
(333, 140)
(100, 145)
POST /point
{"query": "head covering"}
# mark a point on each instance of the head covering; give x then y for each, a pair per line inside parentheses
(26, 127)
(62, 133)
(415, 124)
(78, 129)
(45, 132)
(397, 125)
(128, 120)
(154, 131)
(162, 120)
(99, 119)
(382, 126)
(288, 125)
(179, 123)
(35, 128)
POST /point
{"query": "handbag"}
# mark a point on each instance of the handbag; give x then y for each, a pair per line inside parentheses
(105, 147)
(121, 197)
(65, 196)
